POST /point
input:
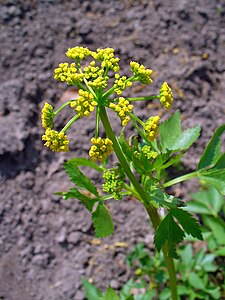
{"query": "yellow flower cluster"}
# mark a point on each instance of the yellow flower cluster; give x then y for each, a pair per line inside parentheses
(143, 75)
(122, 108)
(101, 149)
(151, 128)
(149, 153)
(56, 141)
(78, 53)
(121, 83)
(47, 116)
(85, 103)
(106, 56)
(66, 72)
(92, 72)
(166, 95)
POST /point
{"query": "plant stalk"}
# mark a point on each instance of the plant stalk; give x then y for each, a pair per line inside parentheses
(151, 210)
(181, 178)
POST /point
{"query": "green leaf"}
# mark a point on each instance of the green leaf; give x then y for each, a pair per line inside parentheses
(110, 294)
(186, 139)
(78, 178)
(215, 178)
(196, 282)
(189, 224)
(187, 256)
(214, 293)
(170, 130)
(221, 251)
(102, 221)
(212, 150)
(91, 292)
(131, 297)
(197, 208)
(163, 199)
(217, 225)
(220, 163)
(74, 193)
(210, 198)
(79, 161)
(168, 230)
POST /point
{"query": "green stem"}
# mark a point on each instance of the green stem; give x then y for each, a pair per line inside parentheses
(85, 80)
(181, 178)
(71, 121)
(169, 260)
(62, 106)
(143, 98)
(152, 211)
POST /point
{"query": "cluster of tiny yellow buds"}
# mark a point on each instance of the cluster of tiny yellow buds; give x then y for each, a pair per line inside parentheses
(146, 150)
(143, 75)
(78, 53)
(99, 83)
(56, 141)
(85, 103)
(114, 179)
(151, 128)
(106, 56)
(101, 149)
(121, 83)
(166, 95)
(66, 72)
(123, 109)
(47, 116)
(93, 72)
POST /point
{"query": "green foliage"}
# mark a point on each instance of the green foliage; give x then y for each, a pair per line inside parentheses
(169, 231)
(211, 205)
(172, 137)
(102, 221)
(212, 152)
(78, 178)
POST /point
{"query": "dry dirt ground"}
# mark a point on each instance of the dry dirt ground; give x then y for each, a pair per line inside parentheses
(47, 244)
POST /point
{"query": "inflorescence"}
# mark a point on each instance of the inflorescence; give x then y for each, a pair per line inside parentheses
(92, 81)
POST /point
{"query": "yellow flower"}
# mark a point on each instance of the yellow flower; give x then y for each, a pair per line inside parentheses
(149, 153)
(123, 108)
(47, 116)
(56, 141)
(93, 72)
(68, 73)
(78, 53)
(85, 103)
(151, 128)
(121, 83)
(101, 149)
(143, 75)
(166, 95)
(106, 56)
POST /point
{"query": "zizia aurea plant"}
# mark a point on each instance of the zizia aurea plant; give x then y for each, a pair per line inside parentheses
(141, 158)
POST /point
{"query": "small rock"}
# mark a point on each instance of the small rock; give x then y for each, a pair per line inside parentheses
(74, 238)
(61, 236)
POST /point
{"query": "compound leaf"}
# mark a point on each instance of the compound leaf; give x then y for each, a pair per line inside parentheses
(170, 130)
(169, 231)
(212, 150)
(78, 178)
(102, 221)
(215, 178)
(80, 161)
(189, 224)
(74, 193)
(186, 139)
